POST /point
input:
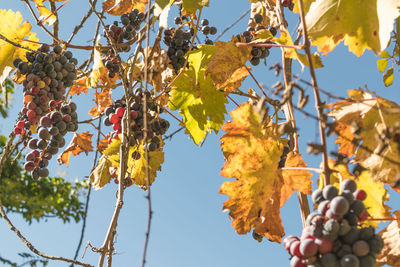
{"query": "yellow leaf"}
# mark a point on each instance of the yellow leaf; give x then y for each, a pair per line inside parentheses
(44, 12)
(361, 24)
(285, 39)
(80, 143)
(100, 176)
(13, 30)
(227, 59)
(252, 154)
(293, 180)
(375, 122)
(390, 253)
(376, 197)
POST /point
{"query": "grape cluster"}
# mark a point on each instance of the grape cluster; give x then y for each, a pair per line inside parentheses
(156, 125)
(331, 237)
(111, 63)
(48, 74)
(257, 53)
(206, 30)
(178, 42)
(131, 24)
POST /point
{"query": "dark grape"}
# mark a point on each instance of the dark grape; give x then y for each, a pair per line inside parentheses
(317, 196)
(360, 248)
(339, 205)
(329, 192)
(258, 18)
(348, 184)
(349, 260)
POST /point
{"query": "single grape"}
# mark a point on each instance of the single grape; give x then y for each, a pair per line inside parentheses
(29, 166)
(375, 244)
(348, 195)
(323, 206)
(367, 233)
(295, 249)
(42, 143)
(344, 250)
(348, 184)
(329, 192)
(351, 218)
(204, 22)
(44, 133)
(352, 236)
(213, 30)
(324, 245)
(360, 248)
(367, 261)
(32, 144)
(255, 61)
(349, 260)
(258, 18)
(317, 196)
(339, 205)
(35, 174)
(360, 194)
(43, 172)
(344, 227)
(296, 262)
(357, 207)
(329, 260)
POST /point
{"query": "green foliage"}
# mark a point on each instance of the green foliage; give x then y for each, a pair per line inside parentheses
(6, 89)
(195, 95)
(38, 199)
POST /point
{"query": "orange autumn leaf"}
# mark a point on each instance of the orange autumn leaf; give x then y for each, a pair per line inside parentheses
(119, 7)
(293, 180)
(390, 253)
(79, 87)
(252, 154)
(102, 100)
(103, 143)
(80, 143)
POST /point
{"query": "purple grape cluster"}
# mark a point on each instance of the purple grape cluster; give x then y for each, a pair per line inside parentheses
(332, 236)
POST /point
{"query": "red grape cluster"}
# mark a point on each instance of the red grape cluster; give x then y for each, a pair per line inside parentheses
(48, 74)
(332, 237)
(156, 125)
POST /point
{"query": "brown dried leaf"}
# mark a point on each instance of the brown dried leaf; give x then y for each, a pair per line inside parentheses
(79, 87)
(391, 236)
(102, 100)
(80, 143)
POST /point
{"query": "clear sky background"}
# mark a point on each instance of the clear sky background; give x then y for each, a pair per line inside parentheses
(189, 228)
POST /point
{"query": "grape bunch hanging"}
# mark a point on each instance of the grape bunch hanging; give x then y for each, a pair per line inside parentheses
(332, 236)
(178, 39)
(156, 125)
(48, 74)
(131, 24)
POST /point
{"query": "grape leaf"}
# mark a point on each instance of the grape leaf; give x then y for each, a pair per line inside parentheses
(227, 59)
(136, 168)
(252, 154)
(190, 6)
(81, 142)
(366, 27)
(375, 124)
(200, 103)
(119, 7)
(376, 193)
(101, 176)
(285, 39)
(376, 197)
(388, 77)
(79, 86)
(293, 180)
(382, 64)
(14, 31)
(390, 253)
(102, 100)
(44, 12)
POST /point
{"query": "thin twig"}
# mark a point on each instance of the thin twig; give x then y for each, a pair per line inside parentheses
(146, 152)
(80, 26)
(259, 86)
(233, 24)
(230, 98)
(31, 247)
(88, 193)
(2, 37)
(39, 23)
(172, 134)
(318, 103)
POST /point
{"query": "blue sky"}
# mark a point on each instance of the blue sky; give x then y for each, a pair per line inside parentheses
(189, 228)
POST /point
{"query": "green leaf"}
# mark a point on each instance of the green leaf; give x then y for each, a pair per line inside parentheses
(191, 6)
(194, 94)
(362, 25)
(384, 54)
(382, 64)
(388, 77)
